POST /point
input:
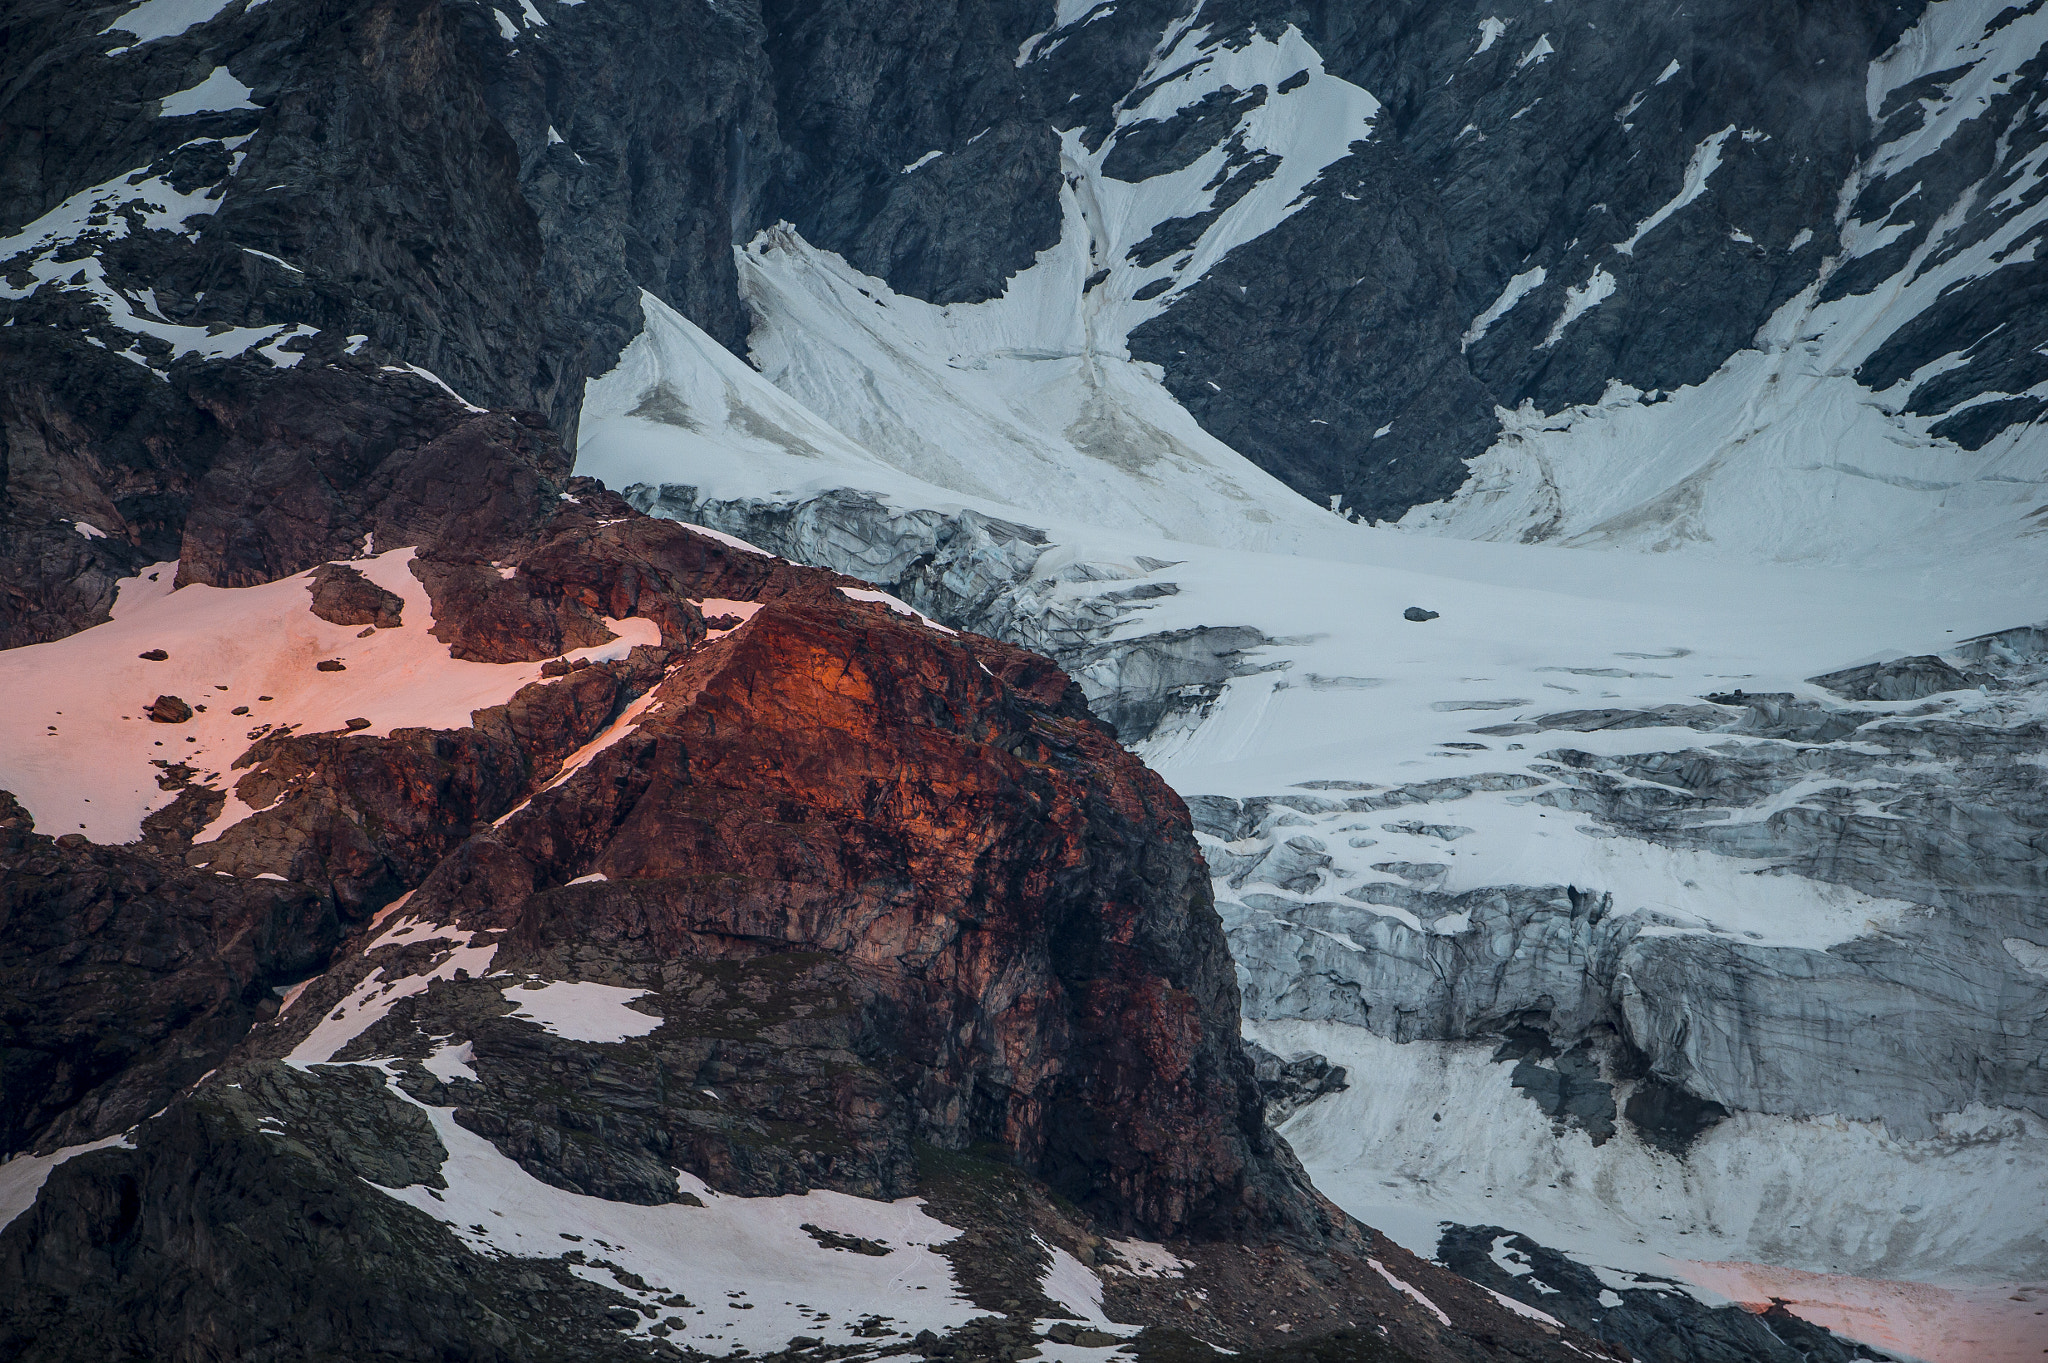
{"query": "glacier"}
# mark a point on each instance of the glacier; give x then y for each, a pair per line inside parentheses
(1714, 963)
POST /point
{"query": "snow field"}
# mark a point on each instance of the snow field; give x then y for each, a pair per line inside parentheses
(754, 1277)
(79, 756)
(1820, 1197)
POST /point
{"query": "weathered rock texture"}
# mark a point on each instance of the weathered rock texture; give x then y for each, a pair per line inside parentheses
(983, 897)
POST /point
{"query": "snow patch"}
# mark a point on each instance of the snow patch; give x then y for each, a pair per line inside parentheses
(1070, 1283)
(1538, 50)
(451, 1062)
(731, 542)
(374, 997)
(716, 608)
(582, 1012)
(153, 19)
(728, 1253)
(894, 604)
(1144, 1259)
(627, 721)
(220, 92)
(22, 1177)
(1416, 1293)
(2033, 957)
(279, 260)
(1706, 158)
(431, 377)
(1523, 1309)
(1515, 290)
(1580, 299)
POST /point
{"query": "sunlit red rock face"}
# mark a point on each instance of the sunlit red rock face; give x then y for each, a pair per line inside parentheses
(1010, 903)
(1007, 909)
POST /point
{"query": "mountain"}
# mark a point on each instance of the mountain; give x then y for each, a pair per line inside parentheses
(1548, 496)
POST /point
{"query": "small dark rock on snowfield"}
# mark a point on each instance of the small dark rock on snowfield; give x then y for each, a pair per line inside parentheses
(343, 596)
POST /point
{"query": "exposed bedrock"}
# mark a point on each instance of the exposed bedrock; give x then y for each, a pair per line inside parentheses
(961, 910)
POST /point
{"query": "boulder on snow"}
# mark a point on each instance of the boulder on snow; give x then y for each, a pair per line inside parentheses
(343, 596)
(1290, 1083)
(169, 710)
(1417, 613)
(155, 655)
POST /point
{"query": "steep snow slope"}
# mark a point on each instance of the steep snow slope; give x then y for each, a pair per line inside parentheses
(1034, 396)
(1836, 438)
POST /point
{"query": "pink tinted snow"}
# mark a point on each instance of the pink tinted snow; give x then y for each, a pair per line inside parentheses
(718, 607)
(75, 742)
(1989, 1324)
